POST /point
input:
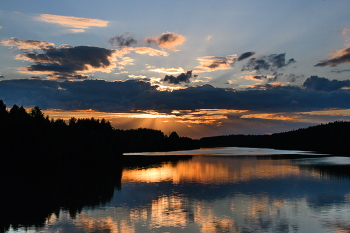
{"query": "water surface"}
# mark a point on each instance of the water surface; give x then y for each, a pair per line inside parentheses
(223, 190)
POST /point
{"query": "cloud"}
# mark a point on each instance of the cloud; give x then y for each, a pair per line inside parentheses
(339, 57)
(139, 94)
(259, 77)
(168, 70)
(212, 63)
(339, 71)
(322, 84)
(245, 55)
(126, 61)
(66, 76)
(74, 30)
(182, 78)
(265, 86)
(273, 116)
(293, 77)
(127, 42)
(123, 41)
(271, 62)
(168, 40)
(137, 76)
(27, 44)
(68, 61)
(78, 24)
(150, 51)
(345, 31)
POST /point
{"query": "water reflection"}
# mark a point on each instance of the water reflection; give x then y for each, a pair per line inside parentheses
(213, 170)
(221, 194)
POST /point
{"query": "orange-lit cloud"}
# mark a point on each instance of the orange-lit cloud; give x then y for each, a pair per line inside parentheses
(169, 70)
(331, 112)
(212, 63)
(168, 40)
(27, 44)
(126, 61)
(150, 51)
(122, 72)
(24, 70)
(160, 85)
(67, 77)
(273, 116)
(337, 57)
(345, 31)
(256, 77)
(265, 86)
(202, 80)
(78, 24)
(205, 116)
(137, 76)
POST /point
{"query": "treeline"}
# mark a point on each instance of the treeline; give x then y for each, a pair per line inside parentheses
(332, 138)
(31, 135)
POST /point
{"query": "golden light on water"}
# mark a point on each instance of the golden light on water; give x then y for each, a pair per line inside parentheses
(173, 211)
(153, 210)
(206, 171)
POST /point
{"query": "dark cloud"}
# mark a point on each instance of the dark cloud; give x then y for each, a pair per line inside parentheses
(123, 41)
(27, 44)
(322, 84)
(259, 77)
(182, 78)
(217, 63)
(293, 77)
(245, 55)
(341, 56)
(139, 95)
(67, 76)
(272, 63)
(212, 63)
(167, 40)
(339, 71)
(262, 86)
(68, 61)
(265, 77)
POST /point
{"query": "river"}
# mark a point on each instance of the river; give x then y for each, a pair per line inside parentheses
(221, 190)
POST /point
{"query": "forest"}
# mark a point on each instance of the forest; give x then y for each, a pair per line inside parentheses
(33, 139)
(331, 138)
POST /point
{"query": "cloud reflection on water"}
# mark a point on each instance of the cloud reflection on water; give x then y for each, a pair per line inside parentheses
(220, 194)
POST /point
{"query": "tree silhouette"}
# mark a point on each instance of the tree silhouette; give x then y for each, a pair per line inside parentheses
(173, 136)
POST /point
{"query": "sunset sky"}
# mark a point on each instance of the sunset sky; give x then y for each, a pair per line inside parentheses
(201, 68)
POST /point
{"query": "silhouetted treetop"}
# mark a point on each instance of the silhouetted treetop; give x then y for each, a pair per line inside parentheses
(174, 136)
